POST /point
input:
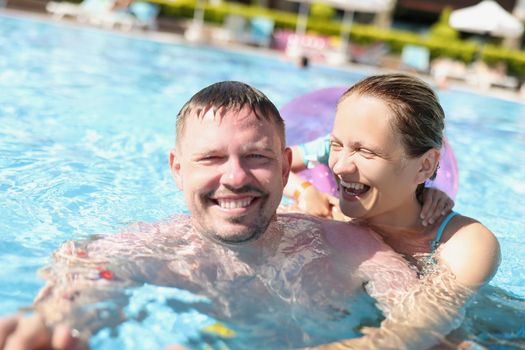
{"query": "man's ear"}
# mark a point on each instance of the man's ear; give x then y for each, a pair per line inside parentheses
(174, 161)
(428, 164)
(287, 164)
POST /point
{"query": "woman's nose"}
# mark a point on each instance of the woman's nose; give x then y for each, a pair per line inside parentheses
(344, 163)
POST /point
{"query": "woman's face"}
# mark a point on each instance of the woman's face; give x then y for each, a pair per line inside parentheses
(375, 175)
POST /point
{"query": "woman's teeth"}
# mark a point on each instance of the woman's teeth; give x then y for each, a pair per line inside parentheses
(354, 188)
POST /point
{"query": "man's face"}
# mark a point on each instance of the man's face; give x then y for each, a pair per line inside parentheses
(232, 168)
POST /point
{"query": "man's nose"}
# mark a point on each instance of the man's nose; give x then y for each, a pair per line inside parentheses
(235, 174)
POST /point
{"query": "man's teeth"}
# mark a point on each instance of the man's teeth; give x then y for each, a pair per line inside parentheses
(234, 203)
(353, 185)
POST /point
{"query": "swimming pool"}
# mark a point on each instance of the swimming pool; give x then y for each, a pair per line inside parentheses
(87, 119)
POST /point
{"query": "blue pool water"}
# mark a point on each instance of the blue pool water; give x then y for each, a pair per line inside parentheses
(87, 119)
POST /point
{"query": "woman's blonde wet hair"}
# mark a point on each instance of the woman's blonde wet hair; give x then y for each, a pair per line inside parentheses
(416, 112)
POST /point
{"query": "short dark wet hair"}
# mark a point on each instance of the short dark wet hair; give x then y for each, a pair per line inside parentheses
(231, 95)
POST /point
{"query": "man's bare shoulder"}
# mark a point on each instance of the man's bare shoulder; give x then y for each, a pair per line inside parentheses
(344, 236)
(355, 236)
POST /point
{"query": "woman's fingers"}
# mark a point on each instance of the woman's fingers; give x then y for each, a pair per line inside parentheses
(427, 202)
(315, 202)
(435, 212)
(436, 203)
(333, 200)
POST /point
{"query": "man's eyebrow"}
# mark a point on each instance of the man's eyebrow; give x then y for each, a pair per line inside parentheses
(245, 148)
(257, 147)
(203, 151)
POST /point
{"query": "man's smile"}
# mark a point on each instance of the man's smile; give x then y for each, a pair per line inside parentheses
(235, 205)
(229, 203)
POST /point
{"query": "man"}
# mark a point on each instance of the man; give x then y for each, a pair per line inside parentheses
(305, 275)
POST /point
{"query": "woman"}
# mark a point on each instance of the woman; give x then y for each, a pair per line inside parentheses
(384, 145)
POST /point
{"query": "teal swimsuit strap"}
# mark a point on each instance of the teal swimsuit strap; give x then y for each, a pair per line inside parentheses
(434, 243)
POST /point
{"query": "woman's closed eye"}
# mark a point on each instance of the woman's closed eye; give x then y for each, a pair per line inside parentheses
(335, 146)
(365, 152)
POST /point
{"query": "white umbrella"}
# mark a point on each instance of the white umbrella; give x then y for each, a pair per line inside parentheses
(487, 17)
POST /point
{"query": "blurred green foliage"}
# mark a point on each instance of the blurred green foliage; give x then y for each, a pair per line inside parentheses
(441, 29)
(322, 11)
(443, 41)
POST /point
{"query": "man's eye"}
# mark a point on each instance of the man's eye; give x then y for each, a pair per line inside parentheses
(210, 158)
(257, 156)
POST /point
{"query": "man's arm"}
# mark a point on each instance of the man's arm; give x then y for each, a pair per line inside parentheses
(88, 283)
(85, 290)
(31, 333)
(86, 279)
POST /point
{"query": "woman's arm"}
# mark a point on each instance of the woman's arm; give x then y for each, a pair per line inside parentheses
(435, 306)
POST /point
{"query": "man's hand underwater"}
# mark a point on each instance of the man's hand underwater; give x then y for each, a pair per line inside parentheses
(20, 332)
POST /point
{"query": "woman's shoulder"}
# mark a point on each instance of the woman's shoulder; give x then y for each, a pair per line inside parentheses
(463, 229)
(471, 250)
